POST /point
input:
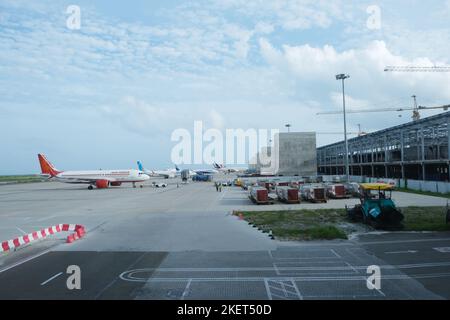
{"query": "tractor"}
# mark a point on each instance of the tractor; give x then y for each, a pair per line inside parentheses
(377, 208)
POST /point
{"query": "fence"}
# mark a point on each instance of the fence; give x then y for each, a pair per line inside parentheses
(420, 185)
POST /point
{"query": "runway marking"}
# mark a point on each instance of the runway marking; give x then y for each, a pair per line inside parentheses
(335, 253)
(20, 230)
(404, 241)
(97, 296)
(186, 290)
(298, 279)
(286, 287)
(398, 252)
(24, 260)
(326, 268)
(51, 278)
(353, 268)
(443, 249)
(47, 218)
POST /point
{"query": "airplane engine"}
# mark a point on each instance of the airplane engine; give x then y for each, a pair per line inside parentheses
(102, 184)
(116, 184)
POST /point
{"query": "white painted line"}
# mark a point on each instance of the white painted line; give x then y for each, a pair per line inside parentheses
(404, 241)
(186, 290)
(335, 253)
(297, 290)
(46, 218)
(353, 268)
(398, 252)
(299, 279)
(269, 294)
(24, 233)
(24, 260)
(278, 269)
(50, 279)
(442, 249)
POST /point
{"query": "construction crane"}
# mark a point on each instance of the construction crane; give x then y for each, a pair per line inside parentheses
(415, 110)
(416, 69)
(359, 133)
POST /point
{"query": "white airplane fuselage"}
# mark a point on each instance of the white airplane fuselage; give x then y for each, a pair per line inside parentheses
(112, 176)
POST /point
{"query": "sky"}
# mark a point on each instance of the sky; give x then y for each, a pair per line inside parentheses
(113, 91)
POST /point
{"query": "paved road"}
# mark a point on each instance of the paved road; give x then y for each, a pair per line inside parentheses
(182, 243)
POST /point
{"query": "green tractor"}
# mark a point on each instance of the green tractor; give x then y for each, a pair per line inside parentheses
(377, 208)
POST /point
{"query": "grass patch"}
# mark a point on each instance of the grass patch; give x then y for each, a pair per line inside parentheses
(329, 224)
(300, 224)
(425, 219)
(21, 178)
(425, 193)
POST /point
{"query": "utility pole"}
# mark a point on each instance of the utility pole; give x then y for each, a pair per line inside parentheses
(343, 77)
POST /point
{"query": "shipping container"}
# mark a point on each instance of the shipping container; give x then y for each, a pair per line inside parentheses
(287, 194)
(313, 193)
(259, 195)
(336, 191)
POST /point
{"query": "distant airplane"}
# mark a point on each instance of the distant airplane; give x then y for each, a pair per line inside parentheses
(99, 178)
(223, 169)
(203, 171)
(169, 173)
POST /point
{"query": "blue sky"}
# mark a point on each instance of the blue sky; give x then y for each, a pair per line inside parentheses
(112, 92)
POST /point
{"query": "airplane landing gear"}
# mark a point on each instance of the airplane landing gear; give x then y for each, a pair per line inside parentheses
(90, 187)
(134, 184)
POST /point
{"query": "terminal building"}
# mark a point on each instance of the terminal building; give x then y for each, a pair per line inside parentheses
(416, 150)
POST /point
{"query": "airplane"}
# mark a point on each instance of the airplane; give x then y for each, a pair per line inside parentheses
(100, 178)
(169, 173)
(222, 168)
(202, 172)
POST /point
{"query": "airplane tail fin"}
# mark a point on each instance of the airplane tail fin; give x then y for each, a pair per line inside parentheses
(46, 167)
(140, 166)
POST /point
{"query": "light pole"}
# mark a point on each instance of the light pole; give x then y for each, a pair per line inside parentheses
(288, 126)
(343, 77)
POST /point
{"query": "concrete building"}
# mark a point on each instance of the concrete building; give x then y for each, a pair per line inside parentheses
(416, 150)
(264, 161)
(294, 153)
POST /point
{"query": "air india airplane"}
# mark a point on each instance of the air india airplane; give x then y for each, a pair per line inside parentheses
(99, 178)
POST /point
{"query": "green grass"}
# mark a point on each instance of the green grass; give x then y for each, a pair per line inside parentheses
(425, 219)
(328, 224)
(300, 224)
(426, 193)
(20, 178)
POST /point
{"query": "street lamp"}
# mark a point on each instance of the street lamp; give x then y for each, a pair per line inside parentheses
(288, 127)
(343, 77)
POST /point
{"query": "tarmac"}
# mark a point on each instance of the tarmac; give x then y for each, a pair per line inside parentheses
(181, 242)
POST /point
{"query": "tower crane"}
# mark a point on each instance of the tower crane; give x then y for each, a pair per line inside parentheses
(417, 69)
(415, 110)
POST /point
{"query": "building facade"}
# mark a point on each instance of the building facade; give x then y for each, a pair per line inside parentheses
(416, 150)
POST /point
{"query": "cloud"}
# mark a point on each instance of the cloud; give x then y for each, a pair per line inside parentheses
(365, 66)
